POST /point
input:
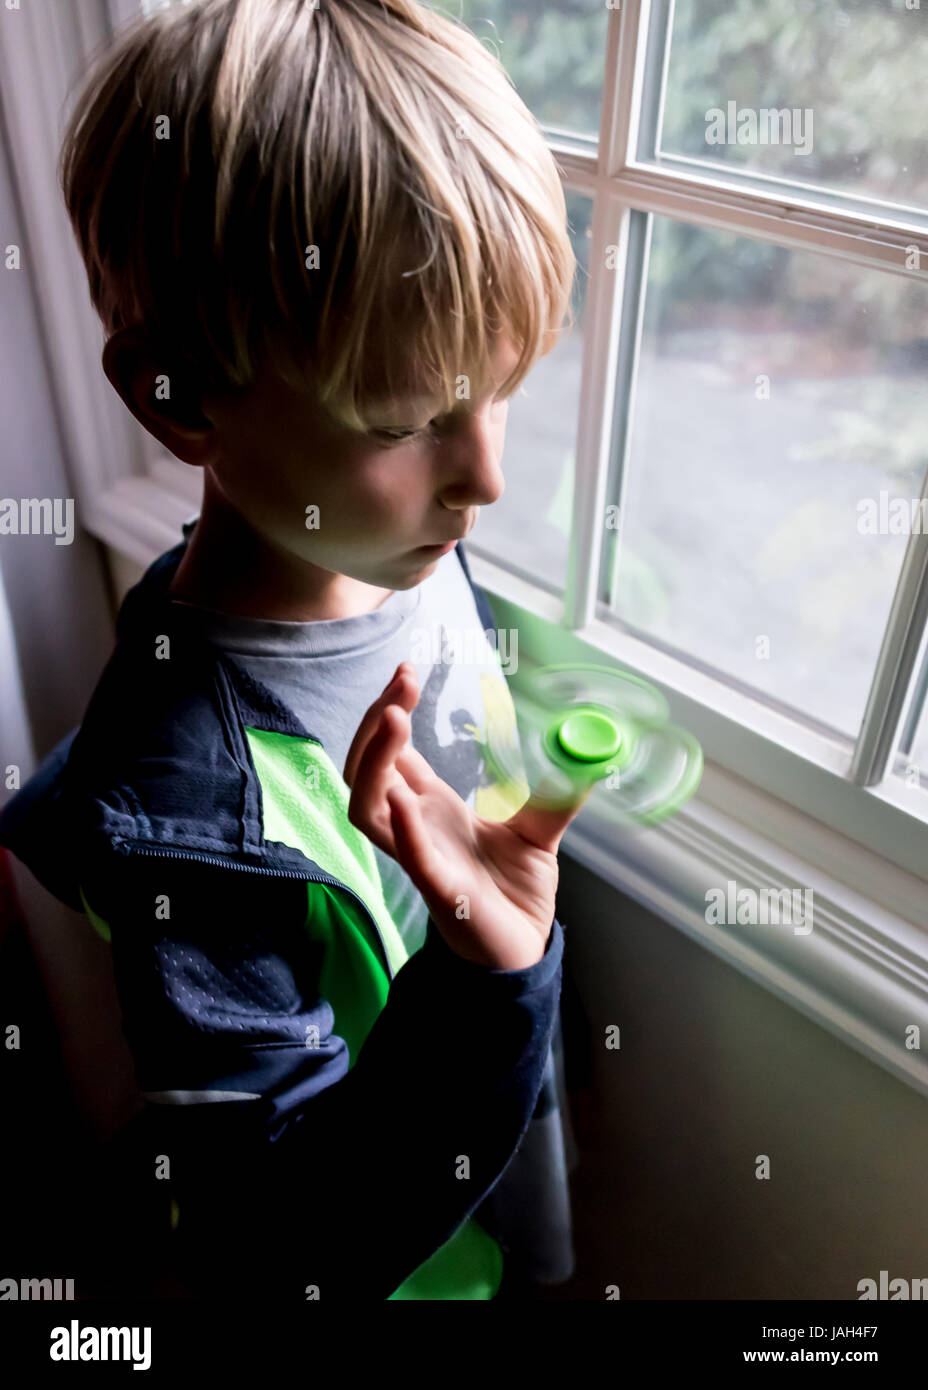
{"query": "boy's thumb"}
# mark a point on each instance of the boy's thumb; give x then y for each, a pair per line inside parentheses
(543, 826)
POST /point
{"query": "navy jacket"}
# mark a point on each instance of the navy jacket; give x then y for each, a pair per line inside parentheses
(289, 1158)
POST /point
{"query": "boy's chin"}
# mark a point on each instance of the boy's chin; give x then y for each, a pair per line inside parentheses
(410, 566)
(424, 561)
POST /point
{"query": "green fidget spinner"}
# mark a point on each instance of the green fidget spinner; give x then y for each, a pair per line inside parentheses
(580, 724)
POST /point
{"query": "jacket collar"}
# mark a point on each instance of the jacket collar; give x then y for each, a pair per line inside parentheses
(160, 762)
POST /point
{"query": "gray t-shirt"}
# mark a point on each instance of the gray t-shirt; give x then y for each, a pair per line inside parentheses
(329, 672)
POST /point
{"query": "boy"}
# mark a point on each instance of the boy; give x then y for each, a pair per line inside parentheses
(327, 242)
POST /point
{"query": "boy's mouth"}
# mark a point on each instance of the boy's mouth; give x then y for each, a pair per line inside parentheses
(440, 549)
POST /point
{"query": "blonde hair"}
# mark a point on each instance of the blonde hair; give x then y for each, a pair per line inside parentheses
(381, 133)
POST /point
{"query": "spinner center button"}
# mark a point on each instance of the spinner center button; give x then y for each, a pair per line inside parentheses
(588, 736)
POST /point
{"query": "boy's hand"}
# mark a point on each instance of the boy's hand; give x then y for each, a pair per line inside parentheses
(506, 871)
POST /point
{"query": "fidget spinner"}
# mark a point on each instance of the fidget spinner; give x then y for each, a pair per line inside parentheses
(580, 724)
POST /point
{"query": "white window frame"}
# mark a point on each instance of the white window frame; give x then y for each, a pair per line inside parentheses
(780, 804)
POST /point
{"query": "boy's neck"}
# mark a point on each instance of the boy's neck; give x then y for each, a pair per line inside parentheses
(227, 566)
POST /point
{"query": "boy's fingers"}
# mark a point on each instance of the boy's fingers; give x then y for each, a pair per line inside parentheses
(405, 694)
(368, 808)
(542, 827)
(416, 770)
(413, 848)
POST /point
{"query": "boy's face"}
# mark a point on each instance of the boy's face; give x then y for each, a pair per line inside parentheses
(276, 454)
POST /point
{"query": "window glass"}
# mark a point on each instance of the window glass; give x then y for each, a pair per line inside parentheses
(828, 95)
(528, 528)
(777, 447)
(554, 52)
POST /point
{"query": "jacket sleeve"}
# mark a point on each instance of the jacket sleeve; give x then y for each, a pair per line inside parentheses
(286, 1161)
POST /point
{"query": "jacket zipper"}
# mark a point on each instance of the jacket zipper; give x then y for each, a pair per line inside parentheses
(125, 847)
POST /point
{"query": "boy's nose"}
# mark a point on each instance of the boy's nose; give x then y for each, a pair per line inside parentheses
(471, 466)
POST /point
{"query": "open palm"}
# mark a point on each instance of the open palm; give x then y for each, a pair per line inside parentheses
(489, 885)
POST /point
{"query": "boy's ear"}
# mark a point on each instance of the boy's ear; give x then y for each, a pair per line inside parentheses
(160, 395)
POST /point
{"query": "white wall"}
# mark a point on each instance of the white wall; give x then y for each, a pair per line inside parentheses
(57, 598)
(56, 633)
(713, 1070)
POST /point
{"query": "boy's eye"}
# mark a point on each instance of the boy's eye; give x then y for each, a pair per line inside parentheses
(395, 436)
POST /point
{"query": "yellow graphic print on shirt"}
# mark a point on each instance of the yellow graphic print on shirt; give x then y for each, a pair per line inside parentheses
(452, 736)
(497, 800)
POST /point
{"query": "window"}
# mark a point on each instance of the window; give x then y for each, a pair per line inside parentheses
(749, 411)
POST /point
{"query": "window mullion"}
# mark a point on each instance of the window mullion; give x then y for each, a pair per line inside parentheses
(877, 244)
(622, 86)
(603, 316)
(917, 707)
(634, 288)
(597, 398)
(896, 662)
